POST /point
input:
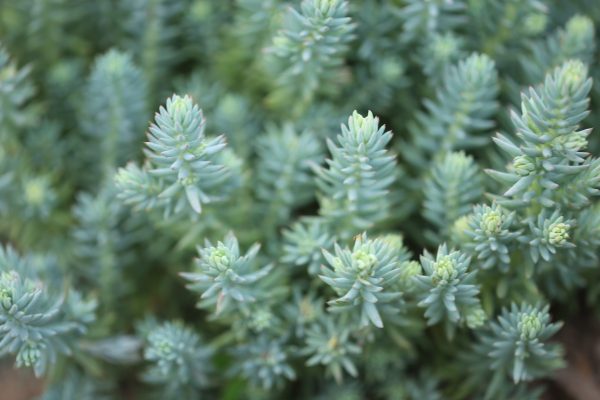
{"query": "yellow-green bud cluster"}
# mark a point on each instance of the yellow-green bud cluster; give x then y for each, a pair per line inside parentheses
(530, 326)
(220, 258)
(523, 165)
(6, 292)
(491, 222)
(364, 261)
(164, 347)
(558, 233)
(476, 318)
(444, 270)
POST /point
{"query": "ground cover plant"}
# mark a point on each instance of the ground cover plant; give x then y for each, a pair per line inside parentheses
(316, 199)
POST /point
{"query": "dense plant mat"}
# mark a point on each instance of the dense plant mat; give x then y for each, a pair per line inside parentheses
(310, 199)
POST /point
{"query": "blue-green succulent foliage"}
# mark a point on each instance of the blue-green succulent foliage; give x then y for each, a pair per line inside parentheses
(369, 199)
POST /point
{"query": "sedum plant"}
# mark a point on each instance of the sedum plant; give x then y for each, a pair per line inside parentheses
(114, 112)
(39, 324)
(513, 348)
(355, 182)
(375, 199)
(363, 276)
(225, 277)
(308, 51)
(183, 169)
(448, 292)
(179, 363)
